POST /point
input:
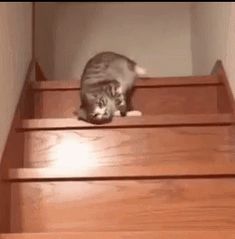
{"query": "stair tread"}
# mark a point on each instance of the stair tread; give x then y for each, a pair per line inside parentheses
(228, 234)
(142, 82)
(146, 120)
(124, 205)
(160, 150)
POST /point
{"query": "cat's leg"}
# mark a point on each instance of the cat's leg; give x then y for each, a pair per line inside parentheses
(129, 113)
(120, 101)
(123, 110)
(122, 106)
(128, 97)
(130, 107)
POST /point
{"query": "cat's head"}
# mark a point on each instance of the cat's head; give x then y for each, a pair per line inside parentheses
(97, 109)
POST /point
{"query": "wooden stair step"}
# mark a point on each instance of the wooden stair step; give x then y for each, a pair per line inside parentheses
(123, 205)
(142, 82)
(143, 121)
(181, 149)
(227, 234)
(169, 95)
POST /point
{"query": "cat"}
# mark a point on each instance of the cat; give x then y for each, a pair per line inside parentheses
(106, 87)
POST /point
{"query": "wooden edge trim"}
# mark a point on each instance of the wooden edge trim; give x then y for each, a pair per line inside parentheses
(219, 71)
(102, 173)
(143, 121)
(40, 77)
(11, 154)
(202, 234)
(143, 82)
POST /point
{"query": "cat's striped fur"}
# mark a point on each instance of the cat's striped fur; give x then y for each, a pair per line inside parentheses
(106, 86)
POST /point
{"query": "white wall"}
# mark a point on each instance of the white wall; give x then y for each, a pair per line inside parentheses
(157, 35)
(15, 56)
(210, 24)
(230, 56)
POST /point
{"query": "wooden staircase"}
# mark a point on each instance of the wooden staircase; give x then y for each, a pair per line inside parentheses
(167, 174)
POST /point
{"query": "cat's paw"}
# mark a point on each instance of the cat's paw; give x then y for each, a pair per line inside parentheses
(129, 113)
(134, 113)
(117, 113)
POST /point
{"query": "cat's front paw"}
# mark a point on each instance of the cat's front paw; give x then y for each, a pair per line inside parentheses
(129, 113)
(117, 113)
(134, 113)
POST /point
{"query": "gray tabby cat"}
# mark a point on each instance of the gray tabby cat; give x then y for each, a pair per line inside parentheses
(106, 87)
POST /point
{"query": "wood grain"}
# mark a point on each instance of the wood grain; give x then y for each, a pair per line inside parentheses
(166, 147)
(151, 101)
(12, 157)
(142, 82)
(136, 177)
(4, 206)
(226, 234)
(129, 205)
(223, 102)
(143, 121)
(176, 100)
(47, 102)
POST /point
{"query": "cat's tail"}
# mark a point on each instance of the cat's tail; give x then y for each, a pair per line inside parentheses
(140, 70)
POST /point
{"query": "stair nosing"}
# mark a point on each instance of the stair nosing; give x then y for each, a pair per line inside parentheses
(112, 173)
(178, 234)
(133, 121)
(142, 82)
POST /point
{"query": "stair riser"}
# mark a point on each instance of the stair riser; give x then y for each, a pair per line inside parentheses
(151, 101)
(183, 204)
